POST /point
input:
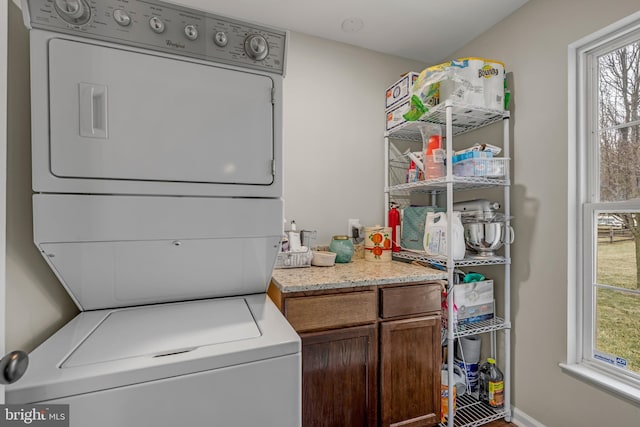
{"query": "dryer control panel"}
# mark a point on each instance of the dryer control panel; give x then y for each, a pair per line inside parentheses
(163, 27)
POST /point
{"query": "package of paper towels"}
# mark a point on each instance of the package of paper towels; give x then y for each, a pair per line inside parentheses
(473, 81)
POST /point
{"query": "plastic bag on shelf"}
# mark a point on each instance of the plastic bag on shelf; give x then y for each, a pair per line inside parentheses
(474, 81)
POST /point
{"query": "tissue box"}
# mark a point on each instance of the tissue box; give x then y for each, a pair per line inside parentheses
(473, 302)
(400, 91)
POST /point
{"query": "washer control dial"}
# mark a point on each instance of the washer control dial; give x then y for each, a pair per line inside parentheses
(156, 24)
(121, 17)
(76, 12)
(220, 39)
(256, 47)
(191, 32)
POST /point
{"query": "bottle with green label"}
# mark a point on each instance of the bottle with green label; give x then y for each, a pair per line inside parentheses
(491, 384)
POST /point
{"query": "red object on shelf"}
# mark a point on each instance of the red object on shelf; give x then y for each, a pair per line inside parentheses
(412, 172)
(434, 143)
(433, 159)
(394, 223)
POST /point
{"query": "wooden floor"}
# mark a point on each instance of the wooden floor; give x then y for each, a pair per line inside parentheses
(500, 423)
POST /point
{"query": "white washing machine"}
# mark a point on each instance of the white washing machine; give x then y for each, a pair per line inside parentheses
(157, 178)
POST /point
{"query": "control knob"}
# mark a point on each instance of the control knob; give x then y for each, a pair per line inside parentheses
(256, 47)
(121, 17)
(76, 12)
(220, 39)
(191, 32)
(156, 24)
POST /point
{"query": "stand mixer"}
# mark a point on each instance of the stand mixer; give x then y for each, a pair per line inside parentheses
(484, 227)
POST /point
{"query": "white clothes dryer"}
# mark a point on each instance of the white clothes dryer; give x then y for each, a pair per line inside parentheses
(157, 178)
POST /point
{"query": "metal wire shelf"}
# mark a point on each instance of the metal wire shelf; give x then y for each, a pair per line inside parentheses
(465, 118)
(471, 412)
(461, 119)
(439, 185)
(495, 324)
(442, 260)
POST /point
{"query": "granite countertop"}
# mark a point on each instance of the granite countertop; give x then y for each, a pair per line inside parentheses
(356, 273)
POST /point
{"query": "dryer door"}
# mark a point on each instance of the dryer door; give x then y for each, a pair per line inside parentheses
(123, 115)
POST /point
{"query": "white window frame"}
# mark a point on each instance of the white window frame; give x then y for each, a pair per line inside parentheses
(583, 207)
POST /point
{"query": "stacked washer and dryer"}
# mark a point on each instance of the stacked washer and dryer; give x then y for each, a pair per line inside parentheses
(157, 178)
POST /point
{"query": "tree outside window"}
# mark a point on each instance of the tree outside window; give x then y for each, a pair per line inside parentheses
(615, 280)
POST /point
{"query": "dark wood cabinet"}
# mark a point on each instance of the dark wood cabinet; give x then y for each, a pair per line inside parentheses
(409, 357)
(370, 355)
(339, 376)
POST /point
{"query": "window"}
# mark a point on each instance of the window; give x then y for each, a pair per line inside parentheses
(604, 275)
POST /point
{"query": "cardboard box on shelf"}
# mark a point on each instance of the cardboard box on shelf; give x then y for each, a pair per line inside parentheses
(400, 91)
(473, 302)
(394, 116)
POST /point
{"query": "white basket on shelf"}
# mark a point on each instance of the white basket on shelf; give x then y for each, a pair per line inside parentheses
(296, 259)
(492, 167)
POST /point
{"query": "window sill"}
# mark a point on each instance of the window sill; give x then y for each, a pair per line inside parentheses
(603, 380)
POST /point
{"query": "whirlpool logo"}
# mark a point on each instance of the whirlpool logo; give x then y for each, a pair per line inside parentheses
(177, 45)
(35, 415)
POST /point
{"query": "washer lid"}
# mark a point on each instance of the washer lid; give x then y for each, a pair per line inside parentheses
(164, 330)
(107, 349)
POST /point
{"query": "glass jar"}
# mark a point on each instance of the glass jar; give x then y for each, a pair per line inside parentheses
(342, 247)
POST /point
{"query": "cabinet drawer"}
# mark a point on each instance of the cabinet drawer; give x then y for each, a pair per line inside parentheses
(409, 300)
(320, 312)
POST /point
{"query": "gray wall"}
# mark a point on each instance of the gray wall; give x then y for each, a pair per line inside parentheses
(533, 44)
(334, 123)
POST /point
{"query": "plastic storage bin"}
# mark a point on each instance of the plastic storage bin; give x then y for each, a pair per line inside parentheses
(496, 167)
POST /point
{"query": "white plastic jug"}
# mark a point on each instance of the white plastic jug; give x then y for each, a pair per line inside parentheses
(435, 235)
(459, 378)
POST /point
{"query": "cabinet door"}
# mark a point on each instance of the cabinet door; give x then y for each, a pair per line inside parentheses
(410, 372)
(339, 377)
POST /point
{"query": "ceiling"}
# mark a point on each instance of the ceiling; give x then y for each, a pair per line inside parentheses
(424, 30)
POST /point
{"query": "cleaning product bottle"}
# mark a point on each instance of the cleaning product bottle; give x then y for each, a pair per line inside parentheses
(295, 244)
(412, 172)
(432, 150)
(434, 163)
(491, 384)
(435, 235)
(483, 382)
(394, 223)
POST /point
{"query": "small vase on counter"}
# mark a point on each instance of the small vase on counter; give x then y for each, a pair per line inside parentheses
(342, 247)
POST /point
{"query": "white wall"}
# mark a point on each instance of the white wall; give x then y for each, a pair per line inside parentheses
(533, 44)
(333, 133)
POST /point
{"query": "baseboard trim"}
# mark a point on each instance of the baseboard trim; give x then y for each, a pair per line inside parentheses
(523, 420)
